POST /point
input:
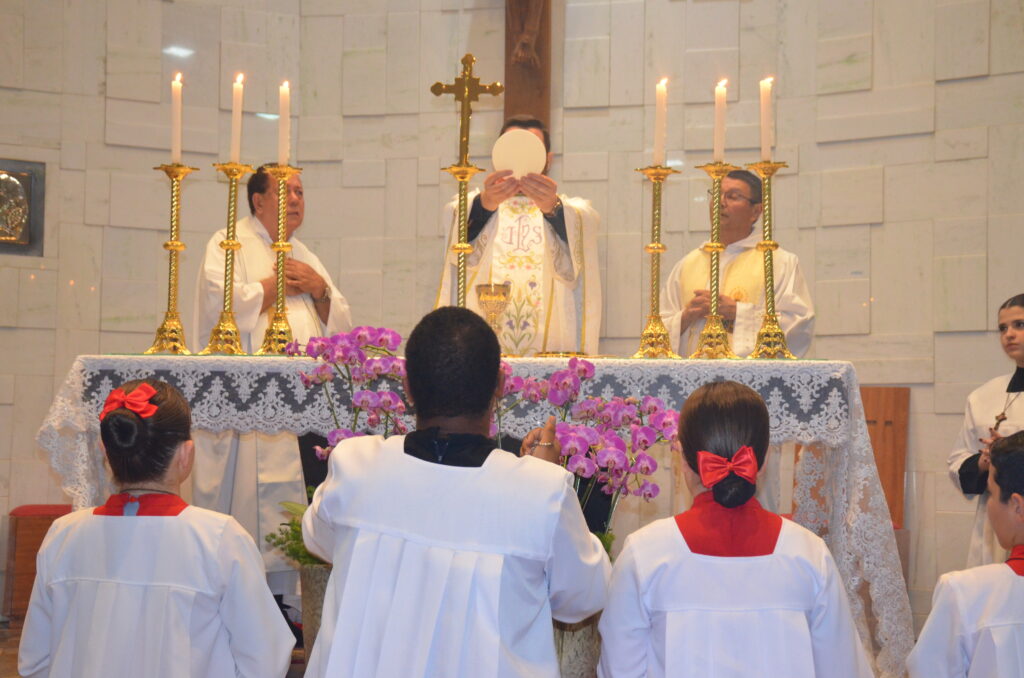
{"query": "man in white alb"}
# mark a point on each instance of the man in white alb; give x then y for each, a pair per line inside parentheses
(524, 232)
(686, 299)
(248, 474)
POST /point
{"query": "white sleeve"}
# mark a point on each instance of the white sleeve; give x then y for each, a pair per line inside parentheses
(672, 306)
(578, 567)
(837, 647)
(794, 307)
(626, 622)
(339, 317)
(941, 651)
(248, 295)
(261, 643)
(966, 445)
(317, 530)
(34, 651)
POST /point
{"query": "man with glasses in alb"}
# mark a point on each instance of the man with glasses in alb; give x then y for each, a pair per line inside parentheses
(686, 299)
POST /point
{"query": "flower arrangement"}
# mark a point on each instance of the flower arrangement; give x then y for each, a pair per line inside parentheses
(603, 442)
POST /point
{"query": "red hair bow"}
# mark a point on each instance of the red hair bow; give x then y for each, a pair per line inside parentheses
(713, 468)
(137, 401)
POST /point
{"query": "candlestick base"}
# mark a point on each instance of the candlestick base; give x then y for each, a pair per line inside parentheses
(225, 338)
(714, 340)
(654, 341)
(771, 340)
(170, 337)
(278, 334)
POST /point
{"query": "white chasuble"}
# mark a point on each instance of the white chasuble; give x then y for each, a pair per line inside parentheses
(448, 571)
(975, 628)
(555, 302)
(983, 404)
(741, 276)
(161, 596)
(247, 475)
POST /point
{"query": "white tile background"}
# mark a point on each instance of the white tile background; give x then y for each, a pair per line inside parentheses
(902, 122)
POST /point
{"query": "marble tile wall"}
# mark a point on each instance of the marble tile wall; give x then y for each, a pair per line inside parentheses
(902, 123)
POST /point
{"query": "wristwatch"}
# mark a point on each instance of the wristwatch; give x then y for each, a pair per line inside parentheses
(554, 210)
(326, 296)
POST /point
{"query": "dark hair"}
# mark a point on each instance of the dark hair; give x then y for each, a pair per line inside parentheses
(1008, 461)
(528, 122)
(721, 417)
(140, 449)
(750, 179)
(1016, 300)
(452, 360)
(258, 183)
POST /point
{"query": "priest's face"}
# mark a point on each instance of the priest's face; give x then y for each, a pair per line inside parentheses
(738, 212)
(266, 207)
(1011, 333)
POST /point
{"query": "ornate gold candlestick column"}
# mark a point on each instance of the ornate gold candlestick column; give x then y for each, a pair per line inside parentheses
(654, 340)
(224, 337)
(714, 340)
(466, 89)
(279, 332)
(771, 340)
(170, 337)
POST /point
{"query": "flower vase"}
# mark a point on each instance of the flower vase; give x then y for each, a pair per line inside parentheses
(313, 579)
(578, 647)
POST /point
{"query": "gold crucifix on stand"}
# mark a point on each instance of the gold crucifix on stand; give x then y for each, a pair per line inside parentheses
(466, 89)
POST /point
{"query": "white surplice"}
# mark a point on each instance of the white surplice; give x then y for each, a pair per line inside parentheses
(975, 628)
(555, 303)
(446, 571)
(983, 405)
(248, 475)
(792, 298)
(157, 596)
(672, 612)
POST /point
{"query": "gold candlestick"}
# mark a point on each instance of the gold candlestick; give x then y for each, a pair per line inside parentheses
(279, 332)
(714, 340)
(771, 340)
(224, 337)
(170, 337)
(466, 90)
(654, 340)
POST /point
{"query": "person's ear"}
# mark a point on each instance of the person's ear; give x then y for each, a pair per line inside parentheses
(184, 459)
(257, 203)
(407, 390)
(1016, 505)
(499, 390)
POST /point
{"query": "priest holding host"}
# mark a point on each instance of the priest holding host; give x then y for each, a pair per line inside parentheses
(248, 474)
(542, 242)
(687, 300)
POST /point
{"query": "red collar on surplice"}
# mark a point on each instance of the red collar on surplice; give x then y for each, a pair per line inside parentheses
(711, 529)
(148, 505)
(1016, 560)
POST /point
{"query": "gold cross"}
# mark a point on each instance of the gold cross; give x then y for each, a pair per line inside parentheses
(466, 89)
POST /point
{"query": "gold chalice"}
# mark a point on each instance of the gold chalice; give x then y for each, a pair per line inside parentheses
(493, 298)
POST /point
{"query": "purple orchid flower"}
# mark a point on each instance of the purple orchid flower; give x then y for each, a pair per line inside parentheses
(584, 369)
(645, 464)
(581, 465)
(322, 452)
(648, 490)
(365, 399)
(651, 405)
(642, 437)
(389, 339)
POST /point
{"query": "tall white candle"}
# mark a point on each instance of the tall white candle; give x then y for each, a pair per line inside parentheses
(236, 118)
(719, 148)
(766, 120)
(176, 120)
(284, 124)
(660, 124)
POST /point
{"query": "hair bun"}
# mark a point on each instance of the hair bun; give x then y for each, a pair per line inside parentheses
(733, 491)
(124, 429)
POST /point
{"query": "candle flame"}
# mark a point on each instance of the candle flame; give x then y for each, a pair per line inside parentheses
(285, 84)
(723, 83)
(770, 79)
(664, 81)
(177, 78)
(240, 78)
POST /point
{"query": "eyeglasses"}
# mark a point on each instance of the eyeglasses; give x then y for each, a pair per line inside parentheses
(733, 196)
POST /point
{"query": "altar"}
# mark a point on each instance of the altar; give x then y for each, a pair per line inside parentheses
(813, 403)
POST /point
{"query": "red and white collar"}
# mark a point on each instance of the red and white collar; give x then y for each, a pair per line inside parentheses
(711, 529)
(147, 505)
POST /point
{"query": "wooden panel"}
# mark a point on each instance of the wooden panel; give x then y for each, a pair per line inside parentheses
(887, 413)
(26, 535)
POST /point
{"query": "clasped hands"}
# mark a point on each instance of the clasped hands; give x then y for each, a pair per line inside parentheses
(700, 307)
(300, 278)
(985, 461)
(500, 186)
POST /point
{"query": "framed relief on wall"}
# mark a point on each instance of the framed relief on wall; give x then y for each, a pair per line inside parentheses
(22, 193)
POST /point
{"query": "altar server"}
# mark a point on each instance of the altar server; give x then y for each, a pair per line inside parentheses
(249, 474)
(545, 243)
(976, 626)
(147, 585)
(450, 557)
(686, 299)
(995, 409)
(727, 589)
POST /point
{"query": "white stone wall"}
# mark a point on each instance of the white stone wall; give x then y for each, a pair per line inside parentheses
(901, 120)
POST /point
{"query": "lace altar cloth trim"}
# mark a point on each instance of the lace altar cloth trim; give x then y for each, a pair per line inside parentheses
(838, 492)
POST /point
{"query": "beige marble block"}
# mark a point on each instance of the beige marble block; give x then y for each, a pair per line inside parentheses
(961, 39)
(133, 51)
(627, 84)
(962, 357)
(842, 306)
(586, 72)
(844, 63)
(952, 189)
(960, 281)
(320, 62)
(961, 144)
(37, 298)
(623, 286)
(1005, 252)
(901, 278)
(1006, 27)
(852, 196)
(1006, 165)
(400, 198)
(403, 71)
(904, 43)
